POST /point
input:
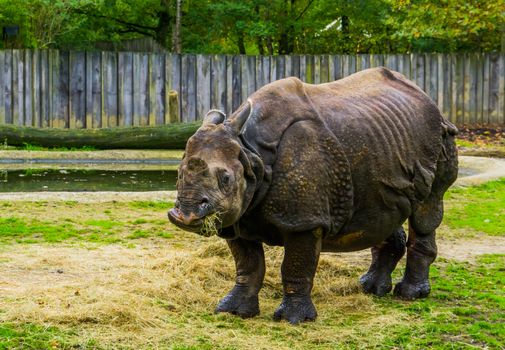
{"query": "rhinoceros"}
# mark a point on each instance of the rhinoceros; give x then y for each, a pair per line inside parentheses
(331, 167)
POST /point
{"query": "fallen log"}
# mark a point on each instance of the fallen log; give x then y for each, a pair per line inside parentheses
(169, 136)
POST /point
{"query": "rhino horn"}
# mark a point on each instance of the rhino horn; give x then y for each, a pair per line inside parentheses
(214, 116)
(237, 123)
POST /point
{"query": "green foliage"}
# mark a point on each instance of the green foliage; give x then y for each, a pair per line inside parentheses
(263, 26)
(480, 208)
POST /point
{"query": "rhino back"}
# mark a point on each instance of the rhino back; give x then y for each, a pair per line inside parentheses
(389, 131)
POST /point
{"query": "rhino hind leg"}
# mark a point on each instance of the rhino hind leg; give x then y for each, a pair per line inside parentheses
(249, 258)
(385, 257)
(421, 245)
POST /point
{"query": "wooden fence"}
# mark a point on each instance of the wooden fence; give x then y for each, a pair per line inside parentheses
(104, 89)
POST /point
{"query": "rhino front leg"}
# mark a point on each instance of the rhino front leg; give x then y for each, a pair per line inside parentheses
(242, 300)
(301, 255)
(384, 259)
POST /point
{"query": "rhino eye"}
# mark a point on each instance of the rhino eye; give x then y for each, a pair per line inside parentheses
(224, 179)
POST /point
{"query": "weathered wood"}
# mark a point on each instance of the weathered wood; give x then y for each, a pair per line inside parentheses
(173, 103)
(8, 87)
(160, 102)
(2, 87)
(460, 89)
(36, 88)
(169, 136)
(218, 82)
(486, 110)
(317, 69)
(236, 83)
(27, 95)
(77, 90)
(94, 90)
(125, 88)
(203, 92)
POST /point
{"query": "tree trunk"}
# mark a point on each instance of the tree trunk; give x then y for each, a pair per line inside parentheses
(241, 44)
(169, 136)
(176, 45)
(163, 27)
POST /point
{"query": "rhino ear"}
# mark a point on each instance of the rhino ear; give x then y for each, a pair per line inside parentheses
(239, 119)
(214, 116)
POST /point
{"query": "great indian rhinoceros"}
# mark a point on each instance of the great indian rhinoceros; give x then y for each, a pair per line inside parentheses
(331, 167)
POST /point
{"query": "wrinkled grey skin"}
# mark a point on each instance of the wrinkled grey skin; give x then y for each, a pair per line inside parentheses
(331, 167)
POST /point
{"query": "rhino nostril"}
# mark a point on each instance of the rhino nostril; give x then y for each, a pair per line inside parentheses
(205, 200)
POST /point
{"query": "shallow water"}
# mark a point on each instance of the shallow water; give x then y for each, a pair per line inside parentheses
(81, 180)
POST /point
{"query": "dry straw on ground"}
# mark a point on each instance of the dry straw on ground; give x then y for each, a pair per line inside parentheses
(157, 295)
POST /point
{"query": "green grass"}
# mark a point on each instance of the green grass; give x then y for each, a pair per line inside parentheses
(479, 208)
(30, 147)
(31, 336)
(465, 310)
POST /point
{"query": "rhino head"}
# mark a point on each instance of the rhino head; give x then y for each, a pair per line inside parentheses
(218, 176)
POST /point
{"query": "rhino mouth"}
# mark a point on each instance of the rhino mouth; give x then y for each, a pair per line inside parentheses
(192, 224)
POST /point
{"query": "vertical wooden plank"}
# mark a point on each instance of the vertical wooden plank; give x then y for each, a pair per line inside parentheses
(89, 90)
(77, 90)
(478, 76)
(280, 67)
(45, 89)
(229, 85)
(324, 75)
(55, 78)
(110, 88)
(191, 103)
(267, 73)
(460, 89)
(63, 114)
(36, 88)
(419, 71)
(175, 78)
(259, 72)
(468, 93)
(218, 82)
(352, 64)
(406, 66)
(28, 88)
(288, 65)
(485, 91)
(497, 88)
(431, 75)
(453, 72)
(345, 66)
(8, 80)
(303, 68)
(273, 68)
(391, 62)
(159, 88)
(236, 82)
(203, 92)
(309, 69)
(17, 117)
(365, 61)
(144, 89)
(137, 98)
(2, 88)
(317, 69)
(96, 90)
(168, 87)
(125, 89)
(248, 76)
(151, 89)
(337, 67)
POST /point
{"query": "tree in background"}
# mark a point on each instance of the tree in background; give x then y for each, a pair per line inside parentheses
(263, 26)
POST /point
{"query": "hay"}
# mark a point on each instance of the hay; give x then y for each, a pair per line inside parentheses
(211, 225)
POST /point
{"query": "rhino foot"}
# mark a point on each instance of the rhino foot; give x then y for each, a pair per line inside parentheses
(239, 303)
(410, 291)
(296, 309)
(376, 283)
